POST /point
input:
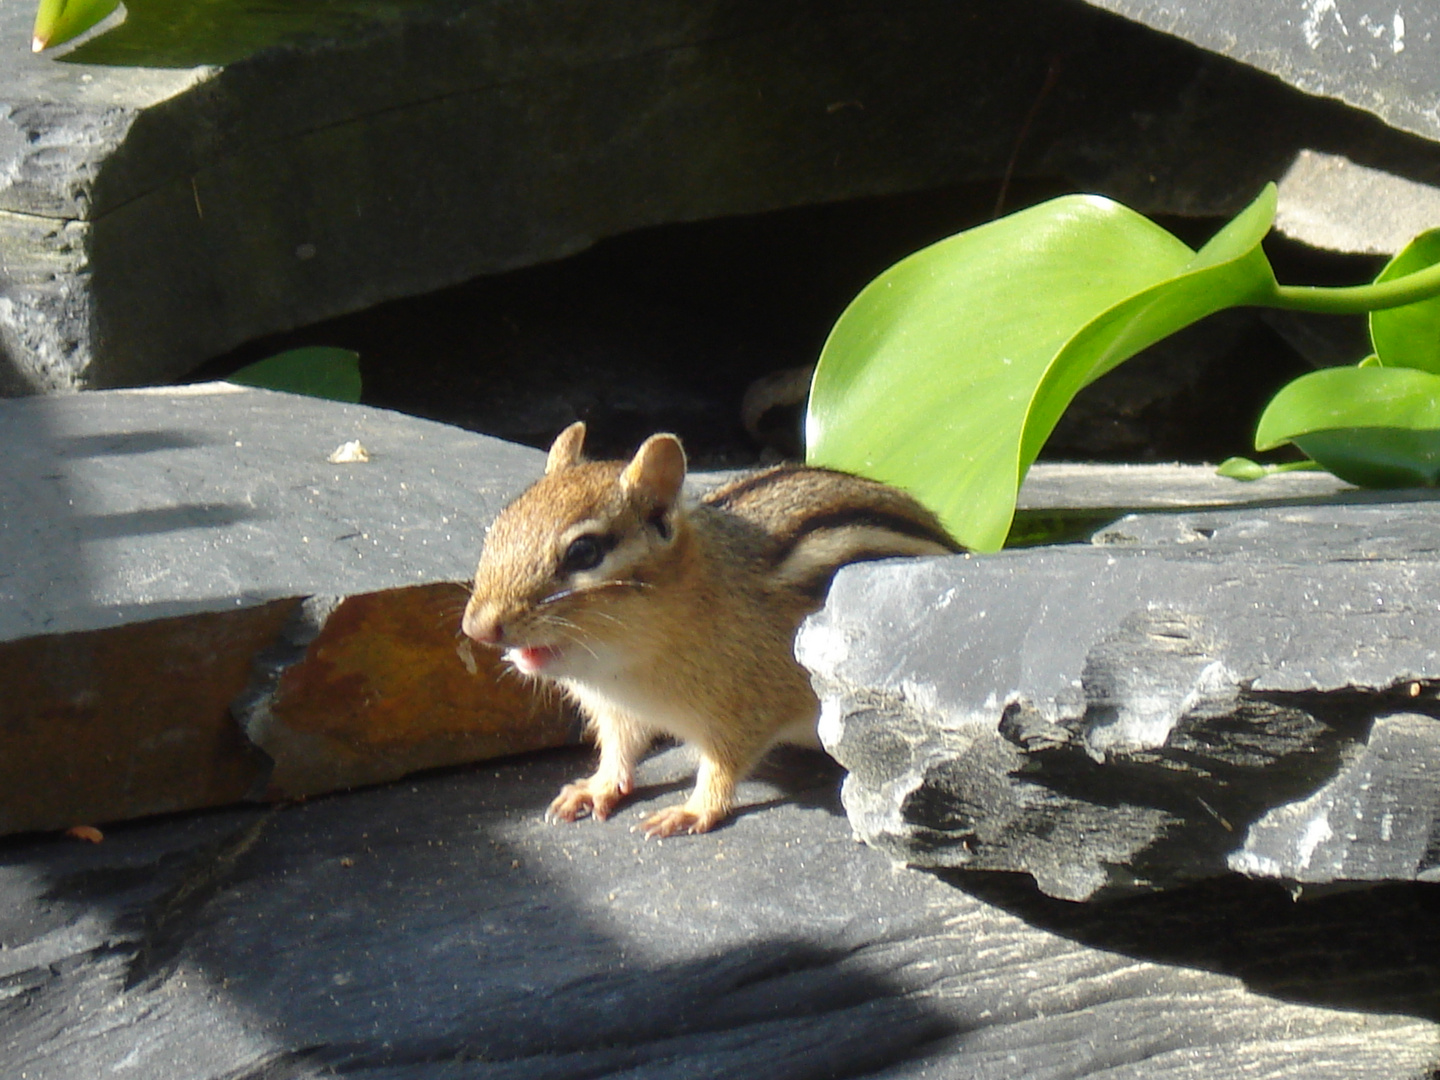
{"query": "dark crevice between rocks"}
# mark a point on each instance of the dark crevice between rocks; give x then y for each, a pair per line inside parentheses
(664, 328)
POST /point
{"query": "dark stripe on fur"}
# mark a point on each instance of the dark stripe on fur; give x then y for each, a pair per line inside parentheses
(879, 519)
(728, 493)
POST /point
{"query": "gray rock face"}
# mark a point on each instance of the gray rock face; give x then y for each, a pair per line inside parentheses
(164, 643)
(439, 928)
(154, 218)
(1249, 688)
(1330, 202)
(1381, 57)
(145, 504)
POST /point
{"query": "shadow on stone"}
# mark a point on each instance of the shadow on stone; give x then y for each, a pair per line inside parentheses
(805, 778)
(112, 444)
(165, 520)
(1371, 948)
(1203, 777)
(411, 931)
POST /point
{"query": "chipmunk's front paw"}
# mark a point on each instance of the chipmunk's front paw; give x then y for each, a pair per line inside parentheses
(585, 798)
(678, 819)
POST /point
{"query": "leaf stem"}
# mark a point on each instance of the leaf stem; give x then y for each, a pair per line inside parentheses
(1358, 299)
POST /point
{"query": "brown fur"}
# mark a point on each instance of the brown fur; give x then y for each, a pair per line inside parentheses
(687, 626)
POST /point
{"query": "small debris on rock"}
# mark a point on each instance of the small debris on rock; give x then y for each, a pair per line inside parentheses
(349, 453)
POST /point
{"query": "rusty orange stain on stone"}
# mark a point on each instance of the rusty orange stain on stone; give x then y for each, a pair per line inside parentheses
(390, 686)
(102, 725)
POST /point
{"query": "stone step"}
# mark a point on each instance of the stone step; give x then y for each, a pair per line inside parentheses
(439, 927)
(198, 607)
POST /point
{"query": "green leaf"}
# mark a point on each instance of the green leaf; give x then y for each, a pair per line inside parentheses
(317, 371)
(948, 372)
(57, 21)
(187, 33)
(1231, 269)
(1240, 468)
(1409, 336)
(1369, 425)
(1377, 457)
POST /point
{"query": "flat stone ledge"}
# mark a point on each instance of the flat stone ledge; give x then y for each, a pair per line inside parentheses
(153, 503)
(1122, 489)
(197, 607)
(1251, 688)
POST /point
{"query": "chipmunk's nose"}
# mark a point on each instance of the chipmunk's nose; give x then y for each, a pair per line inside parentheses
(481, 626)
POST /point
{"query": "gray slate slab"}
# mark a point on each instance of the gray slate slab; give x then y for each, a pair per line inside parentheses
(438, 928)
(1328, 201)
(1249, 688)
(152, 218)
(142, 504)
(1382, 57)
(149, 503)
(185, 578)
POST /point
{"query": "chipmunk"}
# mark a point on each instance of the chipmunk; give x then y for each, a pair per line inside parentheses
(658, 614)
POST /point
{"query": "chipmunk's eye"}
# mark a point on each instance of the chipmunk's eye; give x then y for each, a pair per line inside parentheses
(585, 553)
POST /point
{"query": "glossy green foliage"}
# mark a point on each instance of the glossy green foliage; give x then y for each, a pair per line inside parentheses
(187, 33)
(59, 21)
(1242, 468)
(949, 371)
(1376, 424)
(317, 371)
(1373, 426)
(1409, 336)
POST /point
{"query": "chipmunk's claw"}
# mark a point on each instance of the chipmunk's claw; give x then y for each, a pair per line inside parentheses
(584, 798)
(679, 819)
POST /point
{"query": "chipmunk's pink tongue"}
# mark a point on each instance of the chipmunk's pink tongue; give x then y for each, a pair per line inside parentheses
(532, 659)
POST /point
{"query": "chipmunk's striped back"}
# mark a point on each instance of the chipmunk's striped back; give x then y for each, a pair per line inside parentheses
(657, 614)
(819, 520)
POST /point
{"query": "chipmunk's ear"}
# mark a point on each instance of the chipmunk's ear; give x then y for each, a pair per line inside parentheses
(656, 472)
(567, 448)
